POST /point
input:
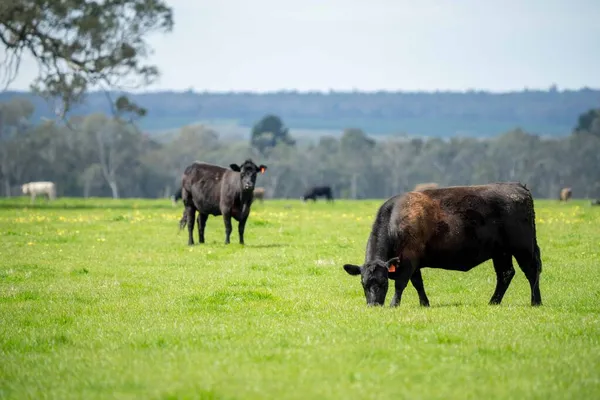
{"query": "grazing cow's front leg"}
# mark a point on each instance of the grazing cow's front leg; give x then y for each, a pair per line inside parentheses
(504, 275)
(417, 281)
(227, 220)
(407, 268)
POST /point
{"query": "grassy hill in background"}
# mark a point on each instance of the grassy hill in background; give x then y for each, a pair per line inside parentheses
(435, 114)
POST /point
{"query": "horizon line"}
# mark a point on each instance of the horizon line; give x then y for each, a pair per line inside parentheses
(329, 91)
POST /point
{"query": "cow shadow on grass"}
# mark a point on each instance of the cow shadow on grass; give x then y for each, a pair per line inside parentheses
(252, 246)
(267, 245)
(446, 305)
(457, 304)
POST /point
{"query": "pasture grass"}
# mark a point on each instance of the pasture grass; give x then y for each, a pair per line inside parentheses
(102, 298)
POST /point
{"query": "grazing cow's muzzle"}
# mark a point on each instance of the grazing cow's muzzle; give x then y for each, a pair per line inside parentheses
(375, 295)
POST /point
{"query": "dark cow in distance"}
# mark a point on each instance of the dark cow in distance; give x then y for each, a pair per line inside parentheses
(453, 228)
(176, 196)
(259, 193)
(317, 191)
(565, 194)
(214, 190)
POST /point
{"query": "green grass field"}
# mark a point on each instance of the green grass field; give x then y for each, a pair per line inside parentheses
(103, 299)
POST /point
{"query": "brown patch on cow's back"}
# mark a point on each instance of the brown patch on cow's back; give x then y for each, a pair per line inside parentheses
(420, 217)
(425, 186)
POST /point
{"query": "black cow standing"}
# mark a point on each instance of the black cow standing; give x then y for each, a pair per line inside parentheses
(454, 228)
(317, 191)
(214, 190)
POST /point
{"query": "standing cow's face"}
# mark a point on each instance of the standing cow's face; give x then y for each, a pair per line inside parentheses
(374, 278)
(248, 172)
(25, 188)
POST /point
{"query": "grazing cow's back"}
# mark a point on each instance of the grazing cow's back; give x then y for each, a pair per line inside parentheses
(317, 191)
(454, 228)
(565, 194)
(35, 188)
(214, 190)
(424, 186)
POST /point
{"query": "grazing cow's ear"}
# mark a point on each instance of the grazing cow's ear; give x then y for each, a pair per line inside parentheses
(352, 269)
(235, 167)
(262, 168)
(392, 264)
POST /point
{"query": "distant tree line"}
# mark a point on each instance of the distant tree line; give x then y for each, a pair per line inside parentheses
(549, 112)
(100, 155)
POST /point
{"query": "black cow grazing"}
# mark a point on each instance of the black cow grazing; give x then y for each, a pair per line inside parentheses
(316, 191)
(176, 196)
(214, 190)
(453, 228)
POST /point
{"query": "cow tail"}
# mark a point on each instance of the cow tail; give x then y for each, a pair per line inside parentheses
(183, 220)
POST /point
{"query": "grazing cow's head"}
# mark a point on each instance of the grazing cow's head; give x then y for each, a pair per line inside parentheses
(248, 171)
(374, 278)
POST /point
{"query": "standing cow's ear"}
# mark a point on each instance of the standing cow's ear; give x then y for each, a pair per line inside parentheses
(235, 167)
(262, 168)
(392, 264)
(352, 269)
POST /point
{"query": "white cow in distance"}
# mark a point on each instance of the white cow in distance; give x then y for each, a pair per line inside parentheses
(35, 188)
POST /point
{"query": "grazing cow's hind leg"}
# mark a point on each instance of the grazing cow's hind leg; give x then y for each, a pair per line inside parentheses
(417, 281)
(191, 214)
(504, 274)
(202, 218)
(531, 265)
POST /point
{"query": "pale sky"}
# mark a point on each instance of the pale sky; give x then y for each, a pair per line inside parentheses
(267, 45)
